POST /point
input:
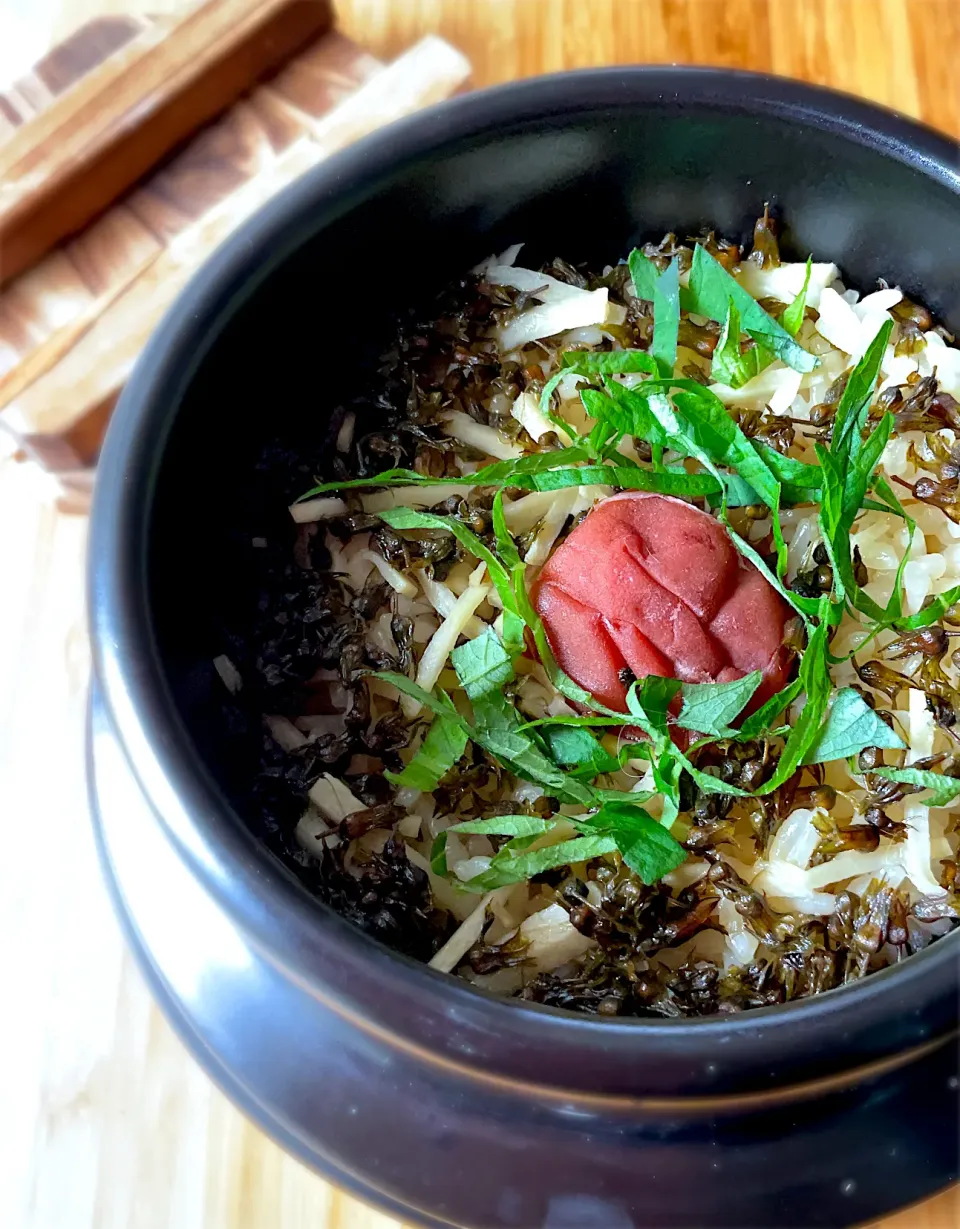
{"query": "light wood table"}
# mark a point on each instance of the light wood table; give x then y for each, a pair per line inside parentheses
(104, 1121)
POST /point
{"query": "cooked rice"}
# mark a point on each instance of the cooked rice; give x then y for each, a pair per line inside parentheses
(522, 934)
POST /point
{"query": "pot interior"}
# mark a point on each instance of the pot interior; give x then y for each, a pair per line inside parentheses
(304, 313)
(587, 186)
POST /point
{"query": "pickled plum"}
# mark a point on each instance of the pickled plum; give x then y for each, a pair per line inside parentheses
(648, 584)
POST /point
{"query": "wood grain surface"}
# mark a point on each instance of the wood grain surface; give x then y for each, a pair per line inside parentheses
(91, 142)
(72, 326)
(104, 1121)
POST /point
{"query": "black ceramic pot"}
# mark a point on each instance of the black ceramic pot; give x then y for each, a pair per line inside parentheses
(422, 1095)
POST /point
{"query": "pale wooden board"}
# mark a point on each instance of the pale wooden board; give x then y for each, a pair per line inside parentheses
(72, 326)
(105, 1123)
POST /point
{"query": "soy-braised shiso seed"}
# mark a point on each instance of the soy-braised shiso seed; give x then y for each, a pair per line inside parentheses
(309, 653)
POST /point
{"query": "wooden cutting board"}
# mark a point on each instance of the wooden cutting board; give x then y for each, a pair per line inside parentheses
(101, 109)
(72, 325)
(105, 1123)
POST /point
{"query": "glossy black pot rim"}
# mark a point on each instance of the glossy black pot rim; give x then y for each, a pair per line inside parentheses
(310, 943)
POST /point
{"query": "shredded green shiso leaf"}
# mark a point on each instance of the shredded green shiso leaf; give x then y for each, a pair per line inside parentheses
(710, 457)
(547, 812)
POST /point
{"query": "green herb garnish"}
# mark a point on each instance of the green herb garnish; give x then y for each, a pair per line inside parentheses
(509, 866)
(711, 292)
(816, 684)
(934, 610)
(850, 726)
(731, 365)
(710, 708)
(698, 452)
(792, 316)
(663, 291)
(944, 789)
(443, 744)
(504, 825)
(576, 748)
